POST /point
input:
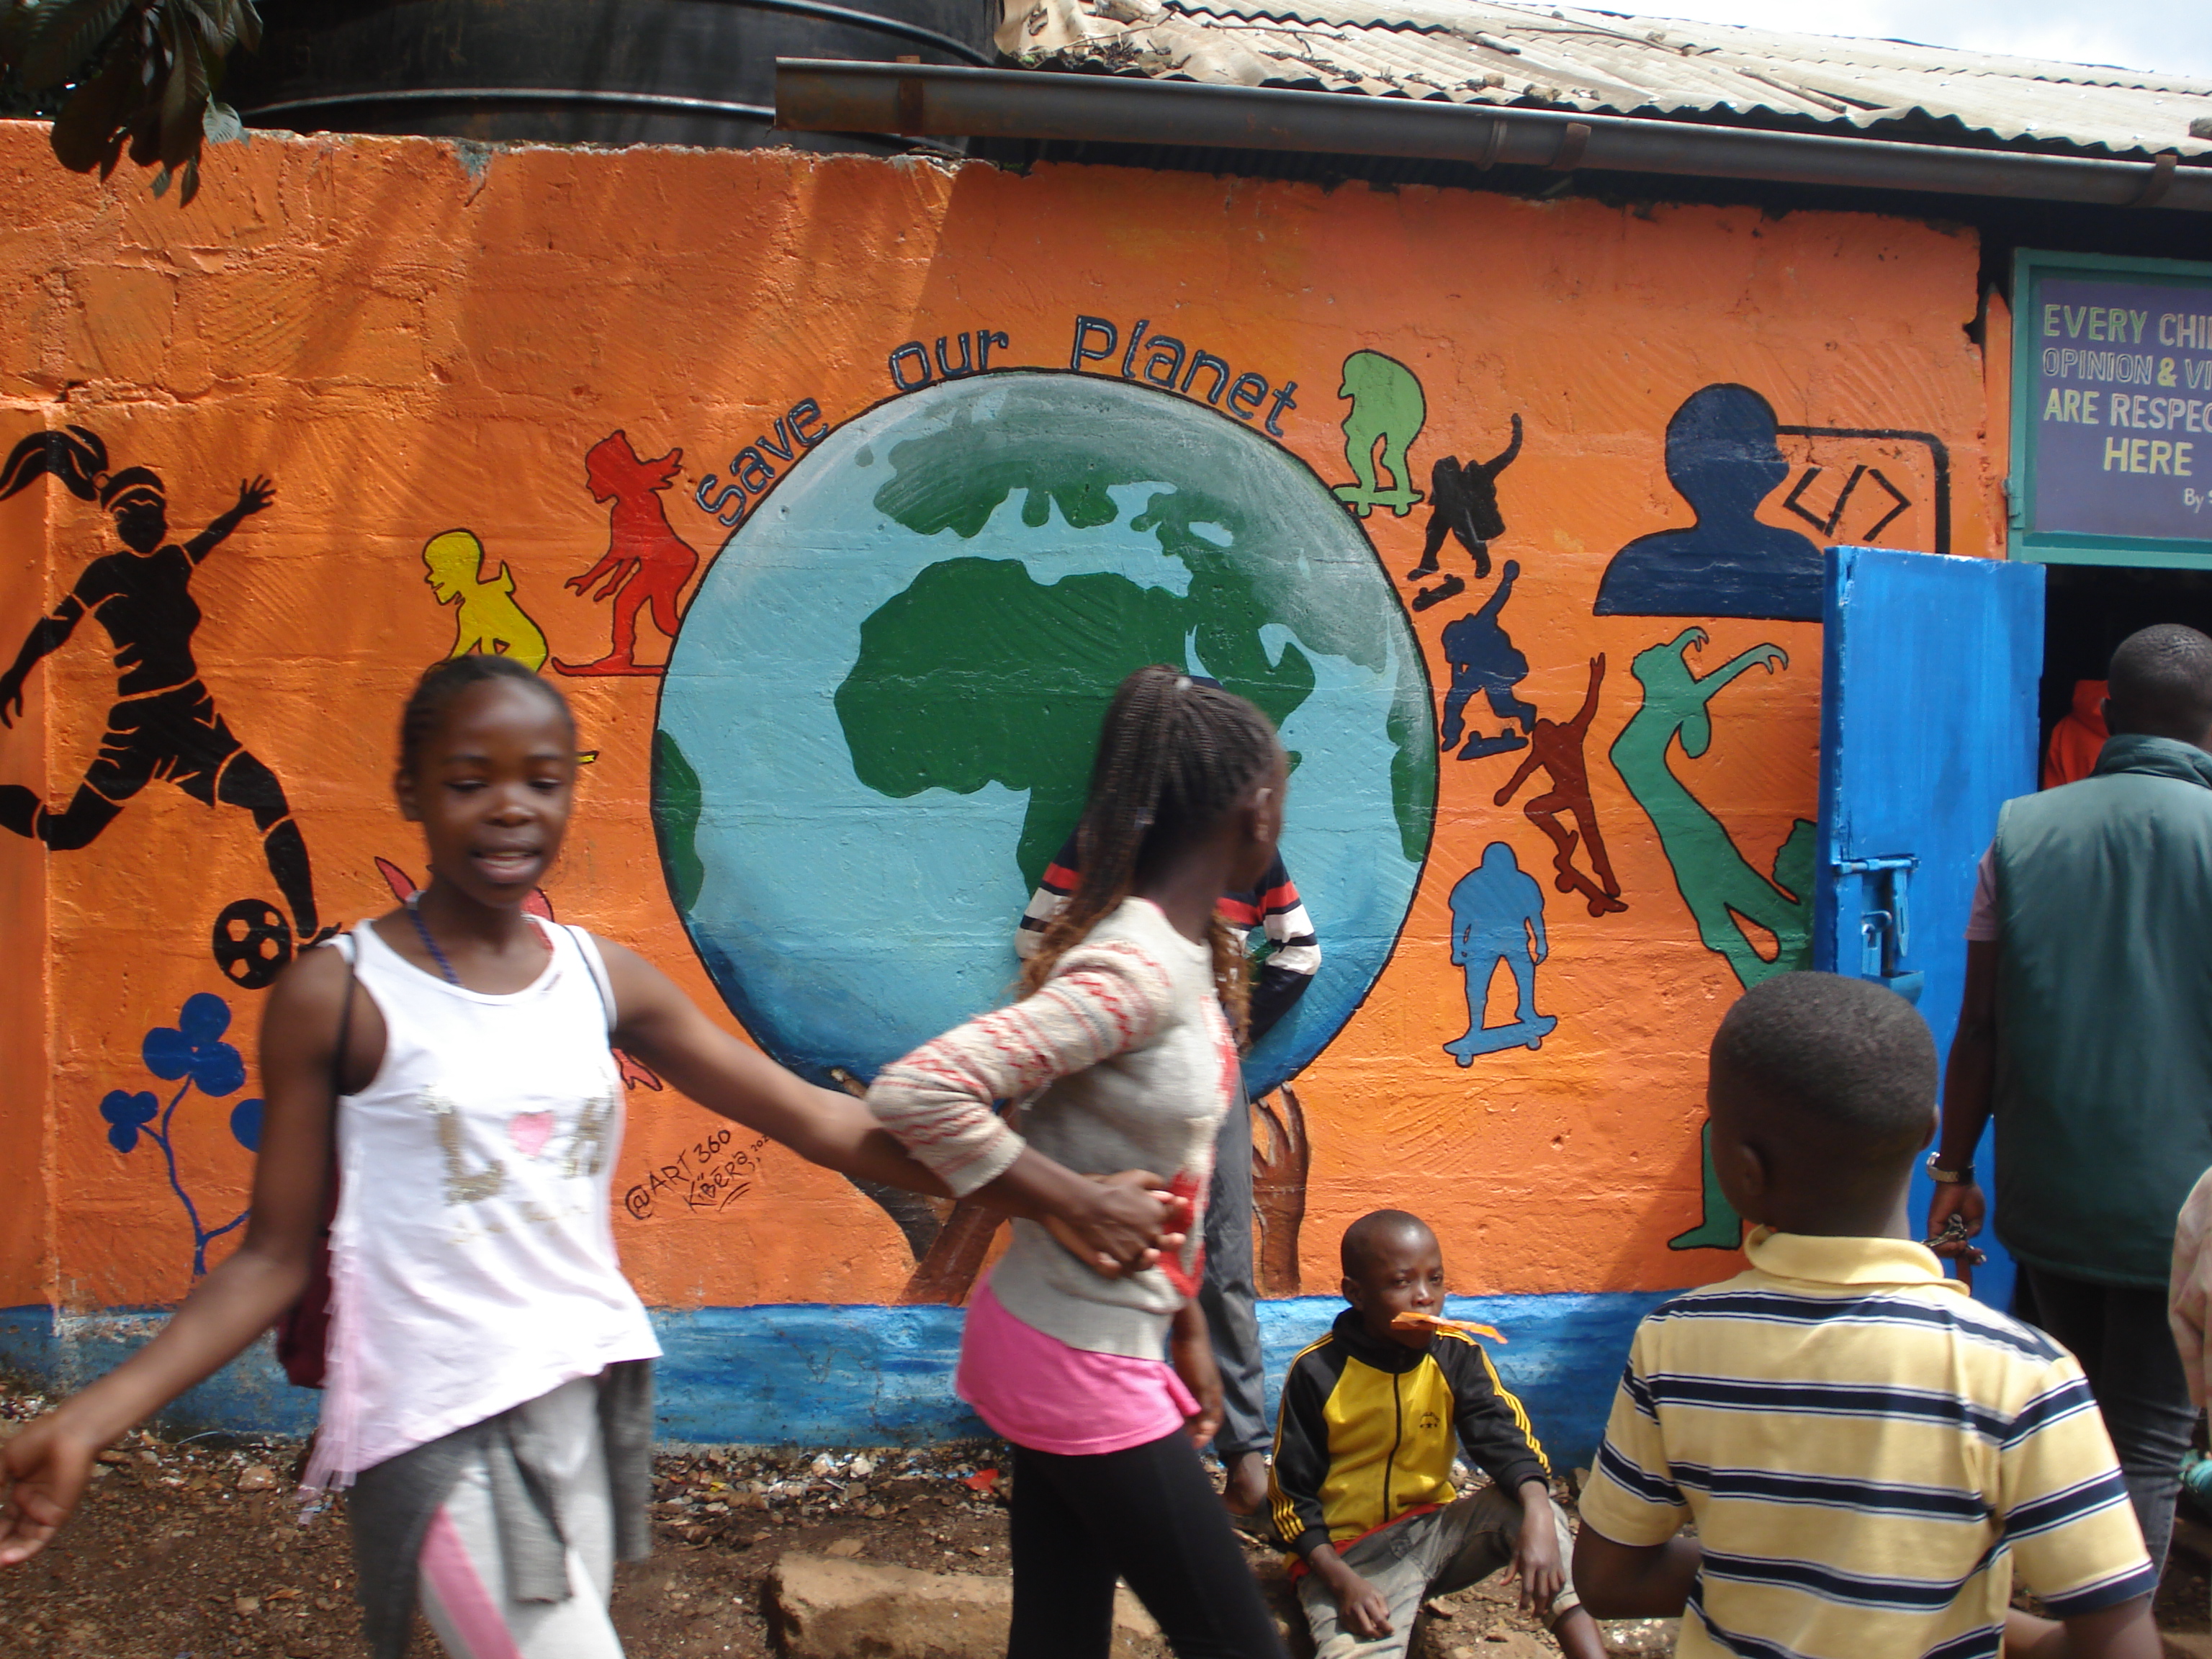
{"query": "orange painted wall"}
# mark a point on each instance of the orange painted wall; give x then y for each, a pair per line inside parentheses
(407, 345)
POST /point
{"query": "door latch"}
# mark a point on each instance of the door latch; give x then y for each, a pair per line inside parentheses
(1886, 929)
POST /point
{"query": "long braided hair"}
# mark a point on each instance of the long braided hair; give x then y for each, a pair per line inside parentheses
(1174, 754)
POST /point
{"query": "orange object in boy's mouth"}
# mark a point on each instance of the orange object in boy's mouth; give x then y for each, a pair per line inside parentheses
(1420, 1322)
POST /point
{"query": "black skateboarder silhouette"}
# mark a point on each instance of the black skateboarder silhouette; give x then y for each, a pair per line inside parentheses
(164, 723)
(1464, 504)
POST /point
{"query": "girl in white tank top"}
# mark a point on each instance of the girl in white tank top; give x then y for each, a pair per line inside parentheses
(489, 1384)
(471, 1260)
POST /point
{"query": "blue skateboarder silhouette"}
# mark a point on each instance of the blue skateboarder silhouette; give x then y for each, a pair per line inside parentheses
(1484, 659)
(1498, 915)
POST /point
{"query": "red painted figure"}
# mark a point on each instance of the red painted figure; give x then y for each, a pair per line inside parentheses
(645, 563)
(1558, 751)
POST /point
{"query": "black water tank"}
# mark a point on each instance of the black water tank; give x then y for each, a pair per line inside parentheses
(579, 72)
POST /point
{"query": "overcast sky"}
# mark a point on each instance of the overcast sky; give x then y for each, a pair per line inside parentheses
(2172, 37)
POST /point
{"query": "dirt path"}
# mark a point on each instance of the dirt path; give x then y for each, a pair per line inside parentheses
(199, 1549)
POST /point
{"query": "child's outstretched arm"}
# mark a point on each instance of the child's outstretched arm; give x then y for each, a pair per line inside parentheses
(43, 1468)
(1121, 1224)
(940, 1101)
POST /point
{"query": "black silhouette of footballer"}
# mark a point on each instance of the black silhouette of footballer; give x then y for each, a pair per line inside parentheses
(164, 723)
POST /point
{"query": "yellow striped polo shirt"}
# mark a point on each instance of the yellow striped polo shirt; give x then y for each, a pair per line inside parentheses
(1869, 1455)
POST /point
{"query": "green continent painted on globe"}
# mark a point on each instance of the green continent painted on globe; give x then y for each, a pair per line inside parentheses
(937, 701)
(876, 726)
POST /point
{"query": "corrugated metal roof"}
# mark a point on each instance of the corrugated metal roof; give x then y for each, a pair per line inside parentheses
(1473, 51)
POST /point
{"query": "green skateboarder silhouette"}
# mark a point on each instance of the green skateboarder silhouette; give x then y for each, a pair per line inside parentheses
(1716, 881)
(1386, 409)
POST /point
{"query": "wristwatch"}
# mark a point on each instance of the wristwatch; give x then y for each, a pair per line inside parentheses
(1950, 1177)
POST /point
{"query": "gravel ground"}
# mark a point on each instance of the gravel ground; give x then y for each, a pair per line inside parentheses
(200, 1549)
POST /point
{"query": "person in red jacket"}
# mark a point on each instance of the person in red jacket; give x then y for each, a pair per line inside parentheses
(2077, 740)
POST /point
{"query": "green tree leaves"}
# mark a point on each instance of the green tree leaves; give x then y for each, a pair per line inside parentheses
(135, 75)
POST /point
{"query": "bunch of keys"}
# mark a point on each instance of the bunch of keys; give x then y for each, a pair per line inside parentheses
(1969, 1256)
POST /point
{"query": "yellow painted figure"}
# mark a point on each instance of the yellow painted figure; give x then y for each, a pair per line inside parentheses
(491, 622)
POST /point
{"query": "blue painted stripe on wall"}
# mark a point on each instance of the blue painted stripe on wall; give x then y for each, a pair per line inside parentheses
(816, 1375)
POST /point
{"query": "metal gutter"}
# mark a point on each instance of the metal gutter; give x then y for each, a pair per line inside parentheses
(942, 100)
(371, 99)
(538, 97)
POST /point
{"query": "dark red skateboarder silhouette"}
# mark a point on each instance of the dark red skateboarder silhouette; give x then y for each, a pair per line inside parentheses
(645, 563)
(1558, 751)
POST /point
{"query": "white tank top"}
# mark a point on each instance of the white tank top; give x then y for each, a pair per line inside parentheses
(473, 1267)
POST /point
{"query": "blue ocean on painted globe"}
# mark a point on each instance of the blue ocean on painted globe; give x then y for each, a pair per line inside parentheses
(876, 724)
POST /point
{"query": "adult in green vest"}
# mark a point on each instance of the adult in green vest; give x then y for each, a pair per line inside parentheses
(2087, 1032)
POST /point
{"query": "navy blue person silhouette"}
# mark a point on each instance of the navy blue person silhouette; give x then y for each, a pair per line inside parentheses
(1498, 915)
(1484, 659)
(164, 723)
(1724, 459)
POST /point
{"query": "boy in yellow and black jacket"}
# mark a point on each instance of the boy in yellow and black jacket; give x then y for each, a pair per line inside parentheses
(1361, 1491)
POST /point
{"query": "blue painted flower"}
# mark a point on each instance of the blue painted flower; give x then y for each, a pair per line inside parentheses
(193, 1047)
(245, 1124)
(126, 1114)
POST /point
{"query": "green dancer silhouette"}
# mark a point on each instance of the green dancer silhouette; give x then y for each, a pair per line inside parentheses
(1386, 409)
(1716, 881)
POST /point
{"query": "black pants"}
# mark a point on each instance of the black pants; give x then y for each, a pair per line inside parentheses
(2120, 1334)
(1148, 1515)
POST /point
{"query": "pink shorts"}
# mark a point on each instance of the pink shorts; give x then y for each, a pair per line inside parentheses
(1037, 1392)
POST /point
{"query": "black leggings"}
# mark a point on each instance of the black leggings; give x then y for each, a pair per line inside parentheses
(1148, 1515)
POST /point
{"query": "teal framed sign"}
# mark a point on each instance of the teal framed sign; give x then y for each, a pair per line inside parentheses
(2112, 410)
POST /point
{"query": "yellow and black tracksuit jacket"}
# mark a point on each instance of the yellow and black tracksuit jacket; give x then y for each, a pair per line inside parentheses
(1365, 1432)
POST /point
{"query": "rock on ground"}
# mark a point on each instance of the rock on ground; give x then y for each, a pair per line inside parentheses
(825, 1608)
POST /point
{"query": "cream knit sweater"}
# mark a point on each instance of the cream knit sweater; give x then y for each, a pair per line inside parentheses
(1134, 1058)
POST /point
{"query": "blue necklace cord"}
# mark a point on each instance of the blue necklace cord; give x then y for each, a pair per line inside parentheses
(423, 932)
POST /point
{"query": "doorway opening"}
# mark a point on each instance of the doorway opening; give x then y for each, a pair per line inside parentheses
(2088, 608)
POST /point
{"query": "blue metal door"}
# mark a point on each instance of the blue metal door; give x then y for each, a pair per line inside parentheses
(1928, 725)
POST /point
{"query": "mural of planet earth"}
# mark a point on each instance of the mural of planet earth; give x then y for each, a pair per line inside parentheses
(876, 724)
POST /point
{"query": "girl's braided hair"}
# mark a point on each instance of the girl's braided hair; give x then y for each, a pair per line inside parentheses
(444, 681)
(1174, 754)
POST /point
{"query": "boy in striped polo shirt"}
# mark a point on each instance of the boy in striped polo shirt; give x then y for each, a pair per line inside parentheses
(1867, 1454)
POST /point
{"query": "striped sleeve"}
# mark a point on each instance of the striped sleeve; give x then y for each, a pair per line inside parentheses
(1106, 998)
(1276, 909)
(2064, 1508)
(1061, 877)
(1631, 1497)
(1294, 952)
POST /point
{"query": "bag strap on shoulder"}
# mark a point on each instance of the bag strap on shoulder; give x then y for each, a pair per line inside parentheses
(587, 949)
(346, 947)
